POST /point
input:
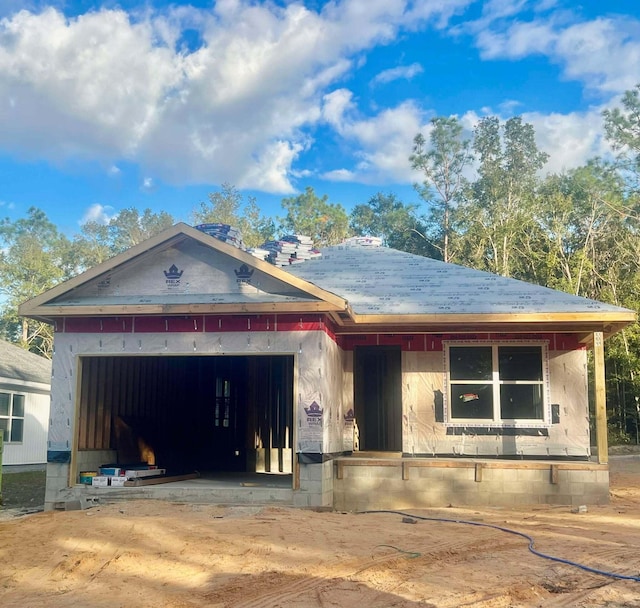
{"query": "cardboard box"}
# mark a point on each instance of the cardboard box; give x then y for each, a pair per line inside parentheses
(100, 481)
(110, 471)
(117, 482)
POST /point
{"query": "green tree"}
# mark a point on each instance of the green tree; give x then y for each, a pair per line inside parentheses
(93, 244)
(394, 222)
(326, 223)
(622, 128)
(98, 242)
(442, 163)
(227, 206)
(586, 242)
(130, 228)
(579, 219)
(34, 257)
(497, 210)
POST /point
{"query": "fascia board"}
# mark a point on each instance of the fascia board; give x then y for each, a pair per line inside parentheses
(607, 322)
(590, 317)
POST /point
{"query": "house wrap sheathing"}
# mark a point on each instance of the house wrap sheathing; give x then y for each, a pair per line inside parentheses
(371, 377)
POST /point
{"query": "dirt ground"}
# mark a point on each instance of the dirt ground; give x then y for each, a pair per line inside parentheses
(155, 554)
(23, 491)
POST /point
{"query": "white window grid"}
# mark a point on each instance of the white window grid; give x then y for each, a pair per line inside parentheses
(10, 417)
(496, 383)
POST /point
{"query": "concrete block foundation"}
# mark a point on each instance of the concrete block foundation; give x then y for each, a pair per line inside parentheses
(362, 484)
(316, 485)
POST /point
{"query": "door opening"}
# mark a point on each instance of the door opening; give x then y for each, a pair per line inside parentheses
(378, 397)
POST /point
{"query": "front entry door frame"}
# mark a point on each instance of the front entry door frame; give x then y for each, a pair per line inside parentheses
(378, 397)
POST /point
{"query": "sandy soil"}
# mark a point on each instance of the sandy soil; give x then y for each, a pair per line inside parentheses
(154, 554)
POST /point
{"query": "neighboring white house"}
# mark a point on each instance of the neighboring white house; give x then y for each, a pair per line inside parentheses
(25, 388)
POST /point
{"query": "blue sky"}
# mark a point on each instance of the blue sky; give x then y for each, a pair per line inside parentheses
(108, 105)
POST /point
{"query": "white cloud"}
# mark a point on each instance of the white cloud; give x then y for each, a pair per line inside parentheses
(384, 144)
(520, 40)
(101, 214)
(340, 175)
(498, 9)
(440, 11)
(335, 105)
(147, 183)
(245, 104)
(404, 72)
(269, 172)
(570, 139)
(603, 53)
(112, 86)
(90, 86)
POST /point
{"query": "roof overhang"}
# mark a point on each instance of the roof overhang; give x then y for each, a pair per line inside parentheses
(608, 323)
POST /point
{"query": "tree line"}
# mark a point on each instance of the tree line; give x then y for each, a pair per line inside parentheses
(484, 202)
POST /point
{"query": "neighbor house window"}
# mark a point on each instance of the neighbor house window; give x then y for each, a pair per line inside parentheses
(11, 416)
(497, 383)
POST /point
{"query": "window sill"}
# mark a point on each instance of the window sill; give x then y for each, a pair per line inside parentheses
(501, 431)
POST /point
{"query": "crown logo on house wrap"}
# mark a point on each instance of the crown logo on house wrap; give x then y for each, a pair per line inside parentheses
(244, 272)
(314, 410)
(173, 272)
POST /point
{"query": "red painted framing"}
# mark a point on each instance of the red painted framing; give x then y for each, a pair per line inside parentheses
(292, 322)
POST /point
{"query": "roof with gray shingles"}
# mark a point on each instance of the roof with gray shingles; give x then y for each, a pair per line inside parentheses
(19, 364)
(383, 281)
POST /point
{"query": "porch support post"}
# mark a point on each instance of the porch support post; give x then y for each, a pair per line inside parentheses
(600, 398)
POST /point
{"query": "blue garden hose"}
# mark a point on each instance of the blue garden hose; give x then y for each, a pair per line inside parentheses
(516, 533)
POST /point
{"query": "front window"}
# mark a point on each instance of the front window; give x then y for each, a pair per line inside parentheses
(11, 416)
(497, 383)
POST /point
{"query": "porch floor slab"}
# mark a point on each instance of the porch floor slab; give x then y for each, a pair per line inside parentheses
(209, 488)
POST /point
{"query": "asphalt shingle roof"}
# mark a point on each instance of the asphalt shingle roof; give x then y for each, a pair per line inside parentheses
(19, 364)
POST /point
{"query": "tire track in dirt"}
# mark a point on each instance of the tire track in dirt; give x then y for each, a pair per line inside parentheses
(284, 590)
(280, 588)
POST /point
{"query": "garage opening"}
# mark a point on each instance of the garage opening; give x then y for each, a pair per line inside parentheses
(210, 414)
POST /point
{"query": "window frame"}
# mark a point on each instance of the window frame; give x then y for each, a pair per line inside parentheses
(11, 416)
(496, 383)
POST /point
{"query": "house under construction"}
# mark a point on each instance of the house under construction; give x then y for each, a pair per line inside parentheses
(367, 378)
